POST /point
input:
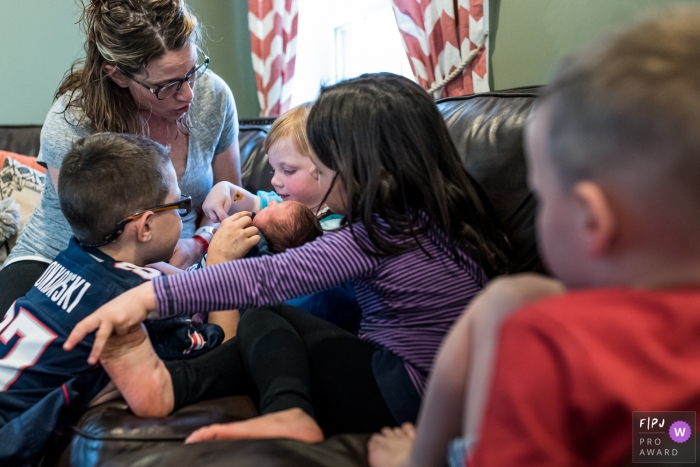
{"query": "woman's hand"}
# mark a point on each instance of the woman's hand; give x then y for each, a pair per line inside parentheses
(187, 252)
(233, 239)
(119, 316)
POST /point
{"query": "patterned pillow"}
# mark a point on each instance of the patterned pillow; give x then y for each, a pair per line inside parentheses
(23, 184)
(29, 161)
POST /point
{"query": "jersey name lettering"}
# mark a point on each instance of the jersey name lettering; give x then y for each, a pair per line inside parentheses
(62, 286)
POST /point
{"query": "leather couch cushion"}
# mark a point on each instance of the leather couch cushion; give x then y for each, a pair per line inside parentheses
(338, 451)
(110, 429)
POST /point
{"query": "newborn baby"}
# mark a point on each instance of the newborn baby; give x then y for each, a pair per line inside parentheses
(281, 226)
(286, 225)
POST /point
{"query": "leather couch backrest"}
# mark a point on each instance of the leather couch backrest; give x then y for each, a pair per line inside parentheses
(255, 168)
(487, 129)
(20, 139)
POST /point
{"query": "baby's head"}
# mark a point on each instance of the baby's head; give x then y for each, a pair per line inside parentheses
(614, 154)
(108, 180)
(287, 225)
(287, 147)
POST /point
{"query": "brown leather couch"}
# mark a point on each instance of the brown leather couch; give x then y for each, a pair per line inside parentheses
(487, 130)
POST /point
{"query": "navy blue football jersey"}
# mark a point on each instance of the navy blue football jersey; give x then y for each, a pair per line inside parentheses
(43, 387)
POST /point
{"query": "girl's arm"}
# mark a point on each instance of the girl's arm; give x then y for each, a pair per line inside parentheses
(252, 282)
(318, 265)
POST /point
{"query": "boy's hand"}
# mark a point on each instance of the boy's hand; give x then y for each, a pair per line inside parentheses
(119, 316)
(233, 239)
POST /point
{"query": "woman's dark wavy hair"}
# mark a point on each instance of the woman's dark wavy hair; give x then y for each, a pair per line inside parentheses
(128, 34)
(390, 147)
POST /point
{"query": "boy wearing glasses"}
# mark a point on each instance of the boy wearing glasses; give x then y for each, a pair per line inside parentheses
(120, 195)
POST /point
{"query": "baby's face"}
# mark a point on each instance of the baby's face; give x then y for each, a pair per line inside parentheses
(274, 213)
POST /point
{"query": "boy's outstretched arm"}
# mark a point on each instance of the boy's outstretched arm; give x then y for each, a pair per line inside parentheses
(225, 198)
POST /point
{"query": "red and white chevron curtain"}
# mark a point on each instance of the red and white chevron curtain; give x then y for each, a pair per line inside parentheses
(439, 36)
(273, 31)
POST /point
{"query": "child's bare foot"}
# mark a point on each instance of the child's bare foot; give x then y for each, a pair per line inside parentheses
(138, 373)
(391, 447)
(292, 424)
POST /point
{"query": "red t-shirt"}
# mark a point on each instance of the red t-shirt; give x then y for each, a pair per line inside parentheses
(571, 370)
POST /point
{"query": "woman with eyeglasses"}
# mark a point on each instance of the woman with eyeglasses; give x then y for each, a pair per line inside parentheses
(144, 73)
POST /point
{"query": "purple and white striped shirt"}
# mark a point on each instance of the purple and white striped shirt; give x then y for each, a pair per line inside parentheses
(408, 301)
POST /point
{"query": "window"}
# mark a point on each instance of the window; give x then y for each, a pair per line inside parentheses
(340, 39)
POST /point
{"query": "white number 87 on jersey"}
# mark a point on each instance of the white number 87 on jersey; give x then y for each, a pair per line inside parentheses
(33, 338)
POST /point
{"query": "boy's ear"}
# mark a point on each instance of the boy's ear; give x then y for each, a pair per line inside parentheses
(116, 76)
(599, 220)
(144, 227)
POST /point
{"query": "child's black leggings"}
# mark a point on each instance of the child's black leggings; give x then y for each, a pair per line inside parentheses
(289, 358)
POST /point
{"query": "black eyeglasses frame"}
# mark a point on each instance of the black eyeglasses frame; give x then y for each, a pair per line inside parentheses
(201, 68)
(184, 204)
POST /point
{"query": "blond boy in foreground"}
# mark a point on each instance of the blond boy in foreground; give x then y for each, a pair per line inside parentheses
(614, 157)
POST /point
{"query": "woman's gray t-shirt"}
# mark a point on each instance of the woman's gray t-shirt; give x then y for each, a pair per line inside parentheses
(214, 129)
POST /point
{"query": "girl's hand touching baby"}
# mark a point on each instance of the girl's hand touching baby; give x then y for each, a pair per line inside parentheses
(226, 198)
(218, 202)
(233, 239)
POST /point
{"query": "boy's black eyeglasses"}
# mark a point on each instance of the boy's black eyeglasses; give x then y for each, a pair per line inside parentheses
(169, 89)
(184, 207)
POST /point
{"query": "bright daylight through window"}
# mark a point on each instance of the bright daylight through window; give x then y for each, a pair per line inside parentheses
(338, 39)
